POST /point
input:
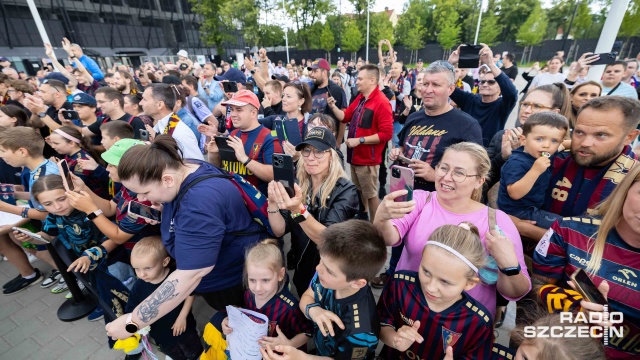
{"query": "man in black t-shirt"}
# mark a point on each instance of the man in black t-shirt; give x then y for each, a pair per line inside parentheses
(323, 88)
(508, 67)
(426, 134)
(111, 102)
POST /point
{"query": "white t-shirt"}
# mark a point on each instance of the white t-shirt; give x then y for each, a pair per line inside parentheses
(547, 79)
(184, 137)
(622, 90)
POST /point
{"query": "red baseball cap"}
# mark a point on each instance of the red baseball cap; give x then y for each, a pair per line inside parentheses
(242, 98)
(320, 63)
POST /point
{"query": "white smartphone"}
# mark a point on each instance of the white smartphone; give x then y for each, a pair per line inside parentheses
(143, 211)
(30, 234)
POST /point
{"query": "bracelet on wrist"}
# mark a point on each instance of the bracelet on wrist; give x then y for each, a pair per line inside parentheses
(246, 162)
(273, 211)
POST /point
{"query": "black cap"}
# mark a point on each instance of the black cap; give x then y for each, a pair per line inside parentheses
(320, 138)
(419, 60)
(284, 78)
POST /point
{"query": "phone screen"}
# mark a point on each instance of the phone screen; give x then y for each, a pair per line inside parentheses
(469, 56)
(230, 86)
(30, 234)
(71, 115)
(402, 179)
(66, 174)
(144, 211)
(587, 287)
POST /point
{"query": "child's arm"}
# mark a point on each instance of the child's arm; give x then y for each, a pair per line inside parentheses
(181, 322)
(282, 339)
(521, 188)
(318, 315)
(18, 210)
(402, 339)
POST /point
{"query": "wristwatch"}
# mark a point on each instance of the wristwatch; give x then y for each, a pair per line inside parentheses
(252, 71)
(94, 214)
(131, 326)
(306, 311)
(511, 271)
(301, 216)
(362, 140)
(42, 114)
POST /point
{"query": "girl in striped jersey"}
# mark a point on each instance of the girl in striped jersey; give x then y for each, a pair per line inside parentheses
(264, 275)
(428, 314)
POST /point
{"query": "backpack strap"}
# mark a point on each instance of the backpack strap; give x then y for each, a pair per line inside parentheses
(492, 218)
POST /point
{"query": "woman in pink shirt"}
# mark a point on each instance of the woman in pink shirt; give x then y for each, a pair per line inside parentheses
(459, 178)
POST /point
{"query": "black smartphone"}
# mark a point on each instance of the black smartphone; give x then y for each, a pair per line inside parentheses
(605, 58)
(66, 175)
(283, 172)
(587, 288)
(469, 56)
(288, 130)
(226, 152)
(230, 86)
(144, 135)
(70, 115)
(143, 211)
(247, 52)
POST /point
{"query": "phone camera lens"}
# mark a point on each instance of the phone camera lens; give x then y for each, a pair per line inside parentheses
(395, 173)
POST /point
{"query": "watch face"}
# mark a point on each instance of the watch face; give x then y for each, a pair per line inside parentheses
(131, 328)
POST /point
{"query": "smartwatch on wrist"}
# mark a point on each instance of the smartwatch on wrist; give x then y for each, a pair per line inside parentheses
(301, 216)
(131, 326)
(306, 311)
(362, 140)
(511, 271)
(94, 214)
(42, 114)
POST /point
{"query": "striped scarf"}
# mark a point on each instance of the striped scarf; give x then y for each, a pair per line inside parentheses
(171, 125)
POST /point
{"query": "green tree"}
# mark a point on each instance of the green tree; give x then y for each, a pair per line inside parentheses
(631, 23)
(414, 39)
(305, 15)
(243, 15)
(212, 29)
(271, 35)
(416, 12)
(490, 28)
(352, 39)
(511, 15)
(380, 28)
(327, 40)
(447, 27)
(583, 21)
(532, 32)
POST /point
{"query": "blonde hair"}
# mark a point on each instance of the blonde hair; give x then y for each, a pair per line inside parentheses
(480, 158)
(559, 348)
(265, 253)
(150, 245)
(329, 182)
(465, 239)
(611, 212)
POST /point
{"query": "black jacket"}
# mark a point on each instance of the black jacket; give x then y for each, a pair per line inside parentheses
(343, 204)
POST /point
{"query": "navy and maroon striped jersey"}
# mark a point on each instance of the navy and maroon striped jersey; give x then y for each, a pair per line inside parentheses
(130, 224)
(359, 339)
(99, 184)
(282, 310)
(566, 247)
(466, 325)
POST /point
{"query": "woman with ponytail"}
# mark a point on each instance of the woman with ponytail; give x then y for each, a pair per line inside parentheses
(68, 141)
(459, 178)
(205, 227)
(606, 245)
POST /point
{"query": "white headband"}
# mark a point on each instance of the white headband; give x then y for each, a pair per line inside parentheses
(454, 252)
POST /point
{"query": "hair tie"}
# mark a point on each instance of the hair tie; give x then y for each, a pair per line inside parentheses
(66, 136)
(465, 226)
(454, 252)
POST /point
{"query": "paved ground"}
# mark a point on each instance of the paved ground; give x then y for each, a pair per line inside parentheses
(30, 329)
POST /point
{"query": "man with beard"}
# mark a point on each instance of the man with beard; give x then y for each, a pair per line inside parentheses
(600, 157)
(324, 89)
(124, 83)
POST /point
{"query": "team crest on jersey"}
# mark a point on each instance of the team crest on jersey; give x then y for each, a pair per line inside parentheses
(359, 353)
(76, 229)
(449, 338)
(255, 149)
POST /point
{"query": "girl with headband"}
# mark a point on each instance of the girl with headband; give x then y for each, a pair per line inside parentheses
(428, 314)
(68, 141)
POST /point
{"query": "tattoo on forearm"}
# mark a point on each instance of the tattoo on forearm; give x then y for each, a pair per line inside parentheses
(148, 309)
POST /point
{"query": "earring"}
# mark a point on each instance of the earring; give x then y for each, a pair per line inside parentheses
(299, 108)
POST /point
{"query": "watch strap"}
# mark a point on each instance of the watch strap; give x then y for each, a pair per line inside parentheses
(511, 271)
(130, 325)
(306, 310)
(94, 214)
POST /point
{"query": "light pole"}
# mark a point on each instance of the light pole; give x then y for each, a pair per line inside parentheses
(475, 41)
(608, 34)
(39, 25)
(367, 55)
(286, 32)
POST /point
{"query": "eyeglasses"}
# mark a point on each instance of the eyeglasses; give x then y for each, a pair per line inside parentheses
(490, 82)
(457, 175)
(46, 81)
(534, 107)
(318, 154)
(445, 64)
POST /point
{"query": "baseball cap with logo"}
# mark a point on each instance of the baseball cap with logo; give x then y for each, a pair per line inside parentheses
(242, 98)
(117, 150)
(320, 138)
(320, 63)
(83, 99)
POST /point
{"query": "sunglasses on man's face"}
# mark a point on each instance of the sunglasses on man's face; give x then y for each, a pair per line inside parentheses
(490, 82)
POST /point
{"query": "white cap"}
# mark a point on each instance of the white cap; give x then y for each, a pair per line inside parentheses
(183, 53)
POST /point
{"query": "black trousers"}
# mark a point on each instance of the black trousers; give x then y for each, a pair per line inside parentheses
(221, 298)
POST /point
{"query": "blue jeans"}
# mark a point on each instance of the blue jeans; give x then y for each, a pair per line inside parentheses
(396, 129)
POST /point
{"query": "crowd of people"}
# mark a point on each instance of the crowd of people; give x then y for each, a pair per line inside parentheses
(490, 215)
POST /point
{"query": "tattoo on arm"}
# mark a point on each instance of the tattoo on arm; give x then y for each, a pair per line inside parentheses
(148, 309)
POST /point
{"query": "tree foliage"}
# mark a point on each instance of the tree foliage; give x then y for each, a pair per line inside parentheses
(631, 22)
(327, 40)
(446, 20)
(211, 30)
(490, 28)
(380, 28)
(352, 39)
(533, 30)
(583, 21)
(306, 15)
(242, 15)
(511, 15)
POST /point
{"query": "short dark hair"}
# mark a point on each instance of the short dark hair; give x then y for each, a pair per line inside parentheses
(303, 92)
(108, 75)
(57, 84)
(628, 106)
(617, 62)
(119, 129)
(373, 69)
(190, 80)
(17, 112)
(175, 73)
(510, 56)
(275, 85)
(545, 118)
(111, 94)
(25, 137)
(22, 86)
(357, 245)
(164, 93)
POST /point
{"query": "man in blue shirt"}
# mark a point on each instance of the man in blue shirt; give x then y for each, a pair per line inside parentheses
(488, 107)
(88, 62)
(209, 88)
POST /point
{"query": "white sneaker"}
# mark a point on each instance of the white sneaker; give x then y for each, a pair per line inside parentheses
(32, 258)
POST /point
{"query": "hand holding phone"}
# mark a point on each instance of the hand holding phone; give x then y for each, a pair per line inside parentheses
(402, 179)
(469, 56)
(605, 58)
(283, 172)
(230, 86)
(587, 288)
(31, 235)
(143, 211)
(70, 115)
(66, 175)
